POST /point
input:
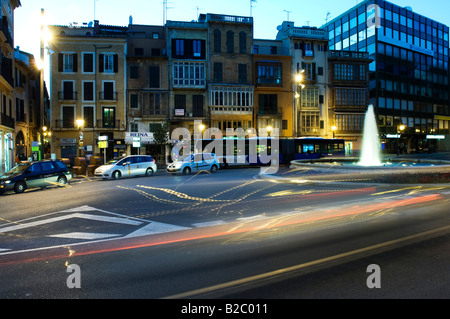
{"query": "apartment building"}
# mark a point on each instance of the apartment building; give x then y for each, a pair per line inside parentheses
(188, 55)
(409, 75)
(29, 117)
(273, 79)
(230, 71)
(7, 96)
(349, 95)
(88, 90)
(308, 47)
(147, 86)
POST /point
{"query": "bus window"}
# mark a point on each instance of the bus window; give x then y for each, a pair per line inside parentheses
(308, 148)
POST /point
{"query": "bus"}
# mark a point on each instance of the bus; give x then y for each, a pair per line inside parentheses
(266, 150)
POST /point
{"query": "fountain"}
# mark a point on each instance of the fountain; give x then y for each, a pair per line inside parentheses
(370, 152)
(369, 163)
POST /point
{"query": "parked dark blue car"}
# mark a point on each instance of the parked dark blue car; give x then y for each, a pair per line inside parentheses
(35, 174)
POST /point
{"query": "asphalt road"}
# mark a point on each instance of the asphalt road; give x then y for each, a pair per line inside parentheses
(226, 235)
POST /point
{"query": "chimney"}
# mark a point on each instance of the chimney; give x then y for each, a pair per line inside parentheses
(96, 27)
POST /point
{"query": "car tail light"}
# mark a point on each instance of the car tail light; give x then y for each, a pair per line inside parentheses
(154, 161)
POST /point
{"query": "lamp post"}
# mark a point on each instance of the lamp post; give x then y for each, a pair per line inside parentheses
(269, 130)
(299, 86)
(334, 128)
(400, 130)
(80, 124)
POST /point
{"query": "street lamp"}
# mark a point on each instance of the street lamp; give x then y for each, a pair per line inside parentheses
(401, 128)
(80, 124)
(334, 128)
(269, 129)
(298, 87)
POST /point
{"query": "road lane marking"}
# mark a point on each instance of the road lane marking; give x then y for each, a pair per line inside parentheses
(155, 228)
(116, 220)
(283, 271)
(86, 236)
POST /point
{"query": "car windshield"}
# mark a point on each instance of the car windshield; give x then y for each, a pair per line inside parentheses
(18, 169)
(112, 162)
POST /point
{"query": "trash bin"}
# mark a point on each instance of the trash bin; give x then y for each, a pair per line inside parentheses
(94, 162)
(80, 166)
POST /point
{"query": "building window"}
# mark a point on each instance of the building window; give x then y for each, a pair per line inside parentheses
(153, 74)
(69, 93)
(268, 104)
(108, 91)
(217, 41)
(310, 97)
(88, 62)
(134, 72)
(197, 105)
(88, 116)
(242, 42)
(109, 63)
(154, 127)
(134, 98)
(179, 47)
(67, 62)
(88, 91)
(218, 74)
(350, 97)
(269, 74)
(180, 105)
(242, 73)
(310, 122)
(68, 117)
(284, 125)
(230, 96)
(230, 41)
(189, 74)
(109, 117)
(310, 71)
(134, 127)
(155, 104)
(349, 122)
(197, 48)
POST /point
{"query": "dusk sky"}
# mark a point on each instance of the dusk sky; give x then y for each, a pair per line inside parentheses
(268, 14)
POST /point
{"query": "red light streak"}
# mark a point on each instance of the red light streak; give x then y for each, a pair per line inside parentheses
(213, 231)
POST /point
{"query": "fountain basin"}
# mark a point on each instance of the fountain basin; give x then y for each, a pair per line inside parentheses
(391, 166)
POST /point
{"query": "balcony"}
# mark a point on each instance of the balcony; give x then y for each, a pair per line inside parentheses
(348, 54)
(69, 125)
(7, 121)
(108, 96)
(6, 38)
(67, 96)
(210, 17)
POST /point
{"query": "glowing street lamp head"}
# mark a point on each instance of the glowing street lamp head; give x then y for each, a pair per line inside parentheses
(80, 123)
(402, 127)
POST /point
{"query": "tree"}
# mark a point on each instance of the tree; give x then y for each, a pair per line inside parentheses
(161, 137)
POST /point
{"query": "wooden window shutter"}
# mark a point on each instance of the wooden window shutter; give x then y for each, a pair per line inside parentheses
(101, 64)
(75, 63)
(116, 63)
(60, 62)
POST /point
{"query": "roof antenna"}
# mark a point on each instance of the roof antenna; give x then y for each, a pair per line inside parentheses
(287, 14)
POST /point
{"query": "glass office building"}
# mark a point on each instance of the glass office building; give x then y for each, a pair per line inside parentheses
(409, 75)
